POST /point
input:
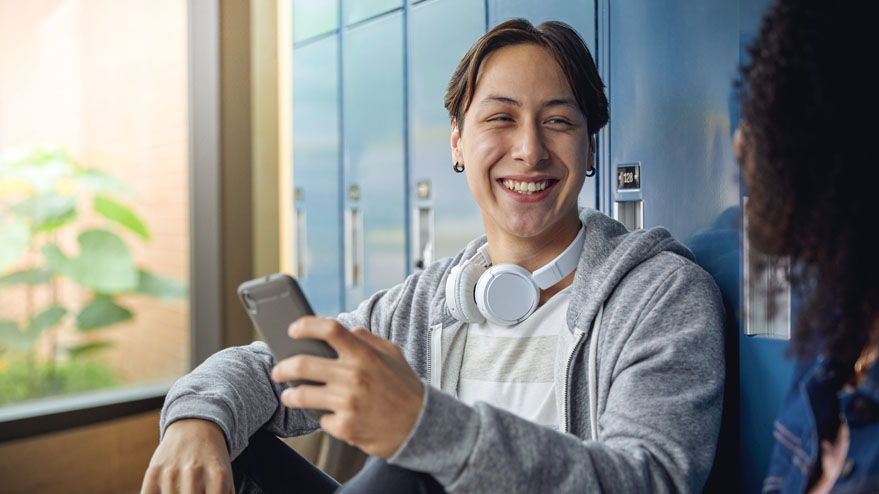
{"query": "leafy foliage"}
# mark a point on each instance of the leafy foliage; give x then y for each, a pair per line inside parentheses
(160, 287)
(13, 337)
(47, 212)
(30, 277)
(43, 194)
(15, 237)
(102, 312)
(21, 380)
(117, 212)
(104, 265)
(46, 319)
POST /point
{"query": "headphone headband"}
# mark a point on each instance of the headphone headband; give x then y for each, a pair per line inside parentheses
(505, 293)
(554, 271)
(563, 265)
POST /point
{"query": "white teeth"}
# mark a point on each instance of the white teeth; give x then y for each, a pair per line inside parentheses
(526, 187)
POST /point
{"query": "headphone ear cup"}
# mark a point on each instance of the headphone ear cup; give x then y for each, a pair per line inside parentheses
(507, 294)
(460, 287)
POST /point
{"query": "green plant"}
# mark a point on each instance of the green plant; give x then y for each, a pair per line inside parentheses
(23, 379)
(47, 196)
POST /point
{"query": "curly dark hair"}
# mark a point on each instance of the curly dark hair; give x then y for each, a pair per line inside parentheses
(807, 101)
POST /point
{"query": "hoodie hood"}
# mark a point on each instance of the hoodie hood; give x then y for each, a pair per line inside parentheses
(610, 252)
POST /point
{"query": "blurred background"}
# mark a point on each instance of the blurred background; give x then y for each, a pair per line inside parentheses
(154, 155)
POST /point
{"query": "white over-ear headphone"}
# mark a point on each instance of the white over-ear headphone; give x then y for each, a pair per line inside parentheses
(505, 294)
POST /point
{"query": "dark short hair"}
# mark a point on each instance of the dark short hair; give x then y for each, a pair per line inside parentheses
(559, 39)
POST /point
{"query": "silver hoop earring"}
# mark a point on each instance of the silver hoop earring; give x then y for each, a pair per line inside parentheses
(591, 173)
(458, 167)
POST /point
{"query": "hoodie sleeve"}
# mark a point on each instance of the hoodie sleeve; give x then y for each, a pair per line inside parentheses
(660, 391)
(233, 388)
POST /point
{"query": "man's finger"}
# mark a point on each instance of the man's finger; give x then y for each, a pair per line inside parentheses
(328, 330)
(151, 481)
(374, 340)
(170, 479)
(311, 396)
(190, 481)
(308, 367)
(218, 482)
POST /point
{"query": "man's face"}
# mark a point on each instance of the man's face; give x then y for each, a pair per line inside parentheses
(525, 144)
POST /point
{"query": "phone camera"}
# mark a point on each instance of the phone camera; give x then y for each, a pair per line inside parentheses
(249, 303)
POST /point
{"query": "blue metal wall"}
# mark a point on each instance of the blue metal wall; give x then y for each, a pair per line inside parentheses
(374, 149)
(673, 109)
(317, 174)
(440, 32)
(671, 67)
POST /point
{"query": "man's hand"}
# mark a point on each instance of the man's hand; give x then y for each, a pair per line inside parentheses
(373, 394)
(192, 457)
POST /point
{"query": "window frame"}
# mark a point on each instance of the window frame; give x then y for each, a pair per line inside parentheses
(22, 420)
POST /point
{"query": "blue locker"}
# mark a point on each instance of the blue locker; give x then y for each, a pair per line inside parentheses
(317, 173)
(354, 11)
(670, 88)
(313, 18)
(374, 157)
(580, 15)
(671, 72)
(673, 111)
(444, 216)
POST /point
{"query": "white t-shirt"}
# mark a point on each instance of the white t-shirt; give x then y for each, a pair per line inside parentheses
(511, 367)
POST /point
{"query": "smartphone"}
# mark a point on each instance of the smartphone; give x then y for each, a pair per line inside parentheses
(273, 302)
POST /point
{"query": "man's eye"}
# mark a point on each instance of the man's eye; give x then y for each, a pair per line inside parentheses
(559, 121)
(500, 118)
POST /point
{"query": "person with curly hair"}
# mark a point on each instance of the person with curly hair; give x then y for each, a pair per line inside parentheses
(806, 151)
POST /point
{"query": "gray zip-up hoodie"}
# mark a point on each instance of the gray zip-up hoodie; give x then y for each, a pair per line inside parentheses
(659, 378)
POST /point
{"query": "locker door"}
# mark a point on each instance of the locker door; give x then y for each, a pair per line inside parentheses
(317, 173)
(313, 18)
(672, 66)
(671, 79)
(579, 15)
(374, 157)
(354, 11)
(444, 216)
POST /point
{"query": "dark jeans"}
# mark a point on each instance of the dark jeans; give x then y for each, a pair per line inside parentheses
(269, 466)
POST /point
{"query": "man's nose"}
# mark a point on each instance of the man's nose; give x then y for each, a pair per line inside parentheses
(529, 147)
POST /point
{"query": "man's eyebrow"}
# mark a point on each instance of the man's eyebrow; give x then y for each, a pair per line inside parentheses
(506, 100)
(560, 102)
(500, 99)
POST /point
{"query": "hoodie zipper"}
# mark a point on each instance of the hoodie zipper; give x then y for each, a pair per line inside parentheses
(433, 378)
(566, 389)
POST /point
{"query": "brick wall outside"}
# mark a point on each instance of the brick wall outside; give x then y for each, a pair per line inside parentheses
(108, 80)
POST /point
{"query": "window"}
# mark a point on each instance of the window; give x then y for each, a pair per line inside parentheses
(94, 201)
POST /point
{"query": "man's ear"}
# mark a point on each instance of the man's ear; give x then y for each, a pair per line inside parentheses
(590, 164)
(455, 141)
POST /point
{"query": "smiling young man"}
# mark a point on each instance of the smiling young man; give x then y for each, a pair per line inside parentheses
(526, 150)
(596, 365)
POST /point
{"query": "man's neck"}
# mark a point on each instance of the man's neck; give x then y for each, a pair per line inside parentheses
(533, 253)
